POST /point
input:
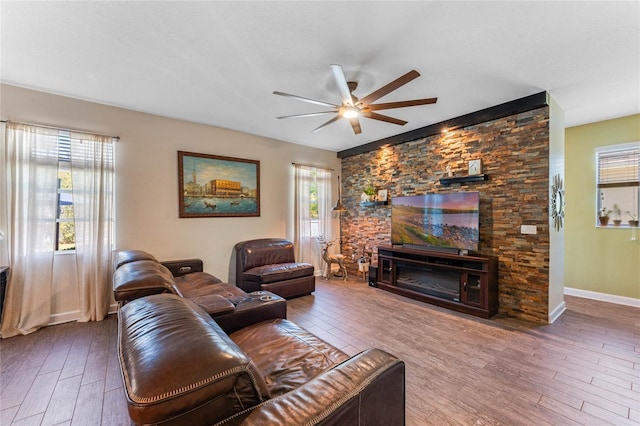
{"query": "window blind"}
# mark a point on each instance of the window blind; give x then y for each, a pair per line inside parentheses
(619, 168)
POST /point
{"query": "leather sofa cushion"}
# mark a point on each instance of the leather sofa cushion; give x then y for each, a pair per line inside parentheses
(214, 304)
(195, 365)
(141, 278)
(286, 355)
(367, 389)
(190, 284)
(264, 251)
(278, 272)
(291, 288)
(128, 256)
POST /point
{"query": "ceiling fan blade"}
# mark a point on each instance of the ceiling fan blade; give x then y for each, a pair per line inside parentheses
(355, 125)
(341, 82)
(381, 117)
(310, 114)
(300, 98)
(401, 104)
(336, 118)
(384, 90)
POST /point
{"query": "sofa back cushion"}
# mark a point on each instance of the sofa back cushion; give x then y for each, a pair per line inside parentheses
(141, 278)
(264, 251)
(126, 256)
(178, 365)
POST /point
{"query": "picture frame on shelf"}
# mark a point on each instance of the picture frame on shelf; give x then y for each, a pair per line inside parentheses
(217, 186)
(475, 167)
(382, 195)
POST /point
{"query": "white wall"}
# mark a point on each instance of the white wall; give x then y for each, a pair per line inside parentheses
(556, 237)
(147, 180)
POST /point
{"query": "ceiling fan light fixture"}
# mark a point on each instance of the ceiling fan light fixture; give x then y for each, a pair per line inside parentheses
(352, 108)
(351, 112)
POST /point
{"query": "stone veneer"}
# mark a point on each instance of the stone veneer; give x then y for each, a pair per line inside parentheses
(515, 156)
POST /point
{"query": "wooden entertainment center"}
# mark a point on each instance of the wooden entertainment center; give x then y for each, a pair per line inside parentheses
(463, 283)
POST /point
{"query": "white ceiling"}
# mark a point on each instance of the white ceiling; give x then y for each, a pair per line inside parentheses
(219, 62)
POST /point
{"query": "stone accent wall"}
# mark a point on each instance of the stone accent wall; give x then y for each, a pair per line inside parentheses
(515, 156)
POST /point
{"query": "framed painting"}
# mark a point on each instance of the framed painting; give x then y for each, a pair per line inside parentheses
(215, 186)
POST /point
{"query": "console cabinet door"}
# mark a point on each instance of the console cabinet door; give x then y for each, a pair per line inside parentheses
(473, 290)
(385, 270)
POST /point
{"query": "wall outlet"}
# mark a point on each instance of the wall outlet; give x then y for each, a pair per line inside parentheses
(528, 229)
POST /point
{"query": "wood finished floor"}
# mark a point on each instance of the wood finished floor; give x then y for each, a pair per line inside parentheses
(582, 370)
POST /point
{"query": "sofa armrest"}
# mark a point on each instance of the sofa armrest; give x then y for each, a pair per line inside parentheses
(182, 267)
(214, 304)
(368, 388)
(251, 309)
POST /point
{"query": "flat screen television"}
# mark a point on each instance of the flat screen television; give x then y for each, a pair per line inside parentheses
(449, 220)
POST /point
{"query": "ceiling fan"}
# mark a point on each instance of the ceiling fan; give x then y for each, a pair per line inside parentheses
(352, 108)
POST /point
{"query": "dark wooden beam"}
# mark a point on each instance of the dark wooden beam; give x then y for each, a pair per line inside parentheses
(517, 106)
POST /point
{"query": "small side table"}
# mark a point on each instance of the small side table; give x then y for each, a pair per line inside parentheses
(4, 274)
(363, 268)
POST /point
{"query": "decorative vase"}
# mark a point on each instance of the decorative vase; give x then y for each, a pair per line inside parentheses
(604, 220)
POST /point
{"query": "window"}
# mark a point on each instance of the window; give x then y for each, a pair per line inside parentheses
(65, 225)
(312, 201)
(66, 218)
(618, 181)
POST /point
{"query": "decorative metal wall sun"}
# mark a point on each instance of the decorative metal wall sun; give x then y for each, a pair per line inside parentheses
(557, 202)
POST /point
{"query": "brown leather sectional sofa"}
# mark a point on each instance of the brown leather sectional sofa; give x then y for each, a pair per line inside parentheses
(180, 366)
(138, 274)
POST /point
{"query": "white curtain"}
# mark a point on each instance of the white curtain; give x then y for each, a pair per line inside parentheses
(29, 194)
(92, 175)
(323, 178)
(302, 230)
(29, 190)
(307, 230)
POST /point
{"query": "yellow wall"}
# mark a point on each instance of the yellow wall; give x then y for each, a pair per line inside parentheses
(600, 260)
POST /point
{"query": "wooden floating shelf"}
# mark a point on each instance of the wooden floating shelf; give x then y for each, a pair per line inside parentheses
(461, 179)
(374, 203)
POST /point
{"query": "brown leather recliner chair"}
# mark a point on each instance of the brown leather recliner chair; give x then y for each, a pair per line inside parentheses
(269, 264)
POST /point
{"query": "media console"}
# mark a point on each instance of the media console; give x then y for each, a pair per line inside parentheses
(463, 283)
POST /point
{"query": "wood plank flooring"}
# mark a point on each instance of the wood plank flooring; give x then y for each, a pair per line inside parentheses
(582, 370)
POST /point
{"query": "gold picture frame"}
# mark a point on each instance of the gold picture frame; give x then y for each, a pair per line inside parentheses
(217, 186)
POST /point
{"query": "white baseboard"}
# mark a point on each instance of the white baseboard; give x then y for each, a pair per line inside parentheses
(63, 317)
(557, 312)
(71, 316)
(611, 298)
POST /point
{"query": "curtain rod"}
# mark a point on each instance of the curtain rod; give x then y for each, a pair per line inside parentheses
(311, 165)
(59, 128)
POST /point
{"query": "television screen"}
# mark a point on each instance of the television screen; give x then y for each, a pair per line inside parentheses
(449, 220)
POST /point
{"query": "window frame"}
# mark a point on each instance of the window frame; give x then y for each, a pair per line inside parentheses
(605, 156)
